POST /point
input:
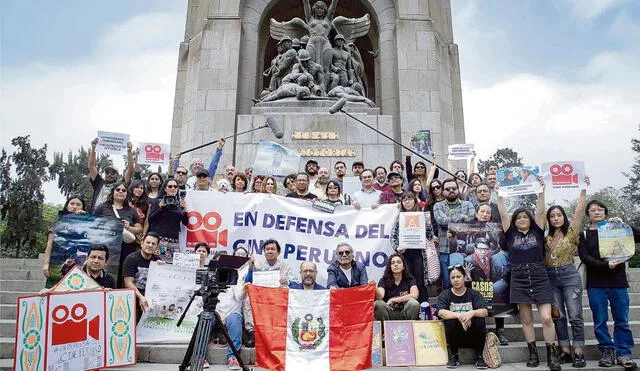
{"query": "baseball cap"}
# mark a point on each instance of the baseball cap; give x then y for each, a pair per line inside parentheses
(394, 173)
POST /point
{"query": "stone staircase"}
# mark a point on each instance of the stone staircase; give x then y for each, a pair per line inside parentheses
(21, 277)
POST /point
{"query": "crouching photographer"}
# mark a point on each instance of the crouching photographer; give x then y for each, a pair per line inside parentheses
(167, 212)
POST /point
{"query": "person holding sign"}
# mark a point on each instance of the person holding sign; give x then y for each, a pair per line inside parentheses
(102, 186)
(416, 258)
(74, 204)
(529, 283)
(607, 286)
(271, 261)
(463, 311)
(561, 246)
(397, 292)
(136, 269)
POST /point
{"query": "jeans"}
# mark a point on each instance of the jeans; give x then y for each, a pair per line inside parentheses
(444, 273)
(383, 312)
(233, 323)
(618, 299)
(567, 296)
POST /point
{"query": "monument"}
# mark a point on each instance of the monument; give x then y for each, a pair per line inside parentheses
(241, 61)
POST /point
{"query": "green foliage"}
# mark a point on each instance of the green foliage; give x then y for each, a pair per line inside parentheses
(23, 199)
(632, 190)
(504, 157)
(72, 173)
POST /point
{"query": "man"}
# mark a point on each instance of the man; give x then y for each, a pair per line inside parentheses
(381, 180)
(320, 187)
(341, 67)
(203, 181)
(308, 274)
(302, 188)
(102, 186)
(357, 167)
(345, 272)
(315, 70)
(181, 177)
(96, 262)
(492, 180)
(340, 168)
(395, 182)
(481, 262)
(492, 168)
(136, 267)
(311, 168)
(483, 195)
(196, 166)
(367, 196)
(450, 210)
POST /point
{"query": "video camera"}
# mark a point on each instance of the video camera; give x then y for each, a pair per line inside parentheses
(221, 273)
(171, 202)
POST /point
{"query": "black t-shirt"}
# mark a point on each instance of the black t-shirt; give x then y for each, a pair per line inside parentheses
(165, 221)
(130, 214)
(103, 279)
(397, 291)
(525, 247)
(470, 300)
(138, 267)
(308, 196)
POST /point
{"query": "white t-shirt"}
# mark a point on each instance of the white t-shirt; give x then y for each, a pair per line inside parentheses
(347, 272)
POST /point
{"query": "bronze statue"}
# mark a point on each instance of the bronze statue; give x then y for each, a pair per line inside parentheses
(315, 71)
(293, 85)
(341, 67)
(351, 94)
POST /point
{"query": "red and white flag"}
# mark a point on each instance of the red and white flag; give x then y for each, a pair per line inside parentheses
(313, 330)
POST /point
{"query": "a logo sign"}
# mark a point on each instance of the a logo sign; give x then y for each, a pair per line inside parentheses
(206, 228)
(153, 153)
(308, 333)
(563, 174)
(412, 221)
(70, 325)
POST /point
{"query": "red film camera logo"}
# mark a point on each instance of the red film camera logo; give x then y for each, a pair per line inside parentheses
(154, 153)
(563, 174)
(67, 330)
(205, 229)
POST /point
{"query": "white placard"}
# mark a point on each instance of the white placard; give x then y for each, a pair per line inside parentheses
(153, 154)
(412, 231)
(564, 174)
(267, 278)
(186, 260)
(461, 151)
(112, 143)
(351, 185)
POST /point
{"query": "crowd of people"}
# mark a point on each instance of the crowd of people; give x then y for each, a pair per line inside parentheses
(538, 250)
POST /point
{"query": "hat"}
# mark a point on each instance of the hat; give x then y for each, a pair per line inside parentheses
(295, 43)
(107, 168)
(339, 37)
(204, 172)
(312, 161)
(357, 163)
(394, 173)
(304, 40)
(303, 55)
(283, 39)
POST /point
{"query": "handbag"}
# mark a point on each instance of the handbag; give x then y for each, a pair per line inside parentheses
(490, 353)
(127, 236)
(432, 261)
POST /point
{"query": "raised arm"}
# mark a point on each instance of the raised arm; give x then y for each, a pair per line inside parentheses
(128, 173)
(540, 209)
(332, 9)
(432, 171)
(307, 10)
(578, 215)
(472, 165)
(91, 163)
(213, 166)
(504, 217)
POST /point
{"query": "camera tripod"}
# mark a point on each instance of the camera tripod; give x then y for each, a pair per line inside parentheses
(208, 320)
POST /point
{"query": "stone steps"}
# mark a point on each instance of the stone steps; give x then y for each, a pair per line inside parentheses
(20, 274)
(587, 315)
(28, 264)
(22, 285)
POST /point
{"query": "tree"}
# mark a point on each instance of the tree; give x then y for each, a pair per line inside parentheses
(73, 175)
(24, 198)
(504, 157)
(632, 190)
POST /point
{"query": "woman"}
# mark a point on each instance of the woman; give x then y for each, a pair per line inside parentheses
(165, 215)
(461, 178)
(561, 246)
(319, 19)
(289, 183)
(529, 283)
(420, 170)
(270, 185)
(137, 198)
(256, 185)
(463, 311)
(415, 187)
(416, 258)
(397, 292)
(239, 182)
(435, 195)
(202, 249)
(271, 261)
(607, 286)
(335, 196)
(73, 205)
(475, 179)
(118, 207)
(154, 181)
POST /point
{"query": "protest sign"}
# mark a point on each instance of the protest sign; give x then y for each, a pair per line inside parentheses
(74, 234)
(76, 280)
(615, 240)
(399, 345)
(153, 154)
(169, 289)
(376, 344)
(186, 260)
(420, 142)
(412, 231)
(232, 220)
(351, 185)
(564, 174)
(80, 330)
(517, 181)
(275, 159)
(461, 151)
(478, 247)
(267, 278)
(430, 343)
(112, 143)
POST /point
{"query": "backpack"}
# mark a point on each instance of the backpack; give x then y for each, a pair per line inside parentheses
(490, 353)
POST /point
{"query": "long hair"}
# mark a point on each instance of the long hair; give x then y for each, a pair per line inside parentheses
(109, 200)
(420, 194)
(387, 276)
(532, 219)
(432, 197)
(263, 186)
(161, 192)
(253, 184)
(149, 177)
(142, 202)
(472, 175)
(565, 224)
(66, 204)
(409, 194)
(337, 184)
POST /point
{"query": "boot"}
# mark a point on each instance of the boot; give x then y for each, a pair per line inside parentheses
(534, 359)
(553, 362)
(502, 337)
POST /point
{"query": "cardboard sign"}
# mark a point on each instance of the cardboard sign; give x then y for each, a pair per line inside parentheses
(615, 241)
(564, 174)
(153, 154)
(412, 230)
(420, 142)
(518, 181)
(190, 260)
(430, 342)
(112, 143)
(461, 151)
(399, 345)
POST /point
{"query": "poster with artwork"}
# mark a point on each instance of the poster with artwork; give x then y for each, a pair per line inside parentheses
(564, 174)
(518, 181)
(430, 342)
(376, 344)
(275, 159)
(420, 142)
(412, 230)
(615, 240)
(399, 346)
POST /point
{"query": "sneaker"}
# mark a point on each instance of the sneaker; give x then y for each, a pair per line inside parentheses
(578, 361)
(564, 357)
(480, 363)
(502, 337)
(608, 358)
(206, 364)
(453, 361)
(626, 362)
(233, 364)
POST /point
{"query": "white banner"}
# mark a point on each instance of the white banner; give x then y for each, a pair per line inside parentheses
(112, 143)
(564, 174)
(153, 154)
(461, 151)
(351, 185)
(412, 231)
(232, 220)
(169, 289)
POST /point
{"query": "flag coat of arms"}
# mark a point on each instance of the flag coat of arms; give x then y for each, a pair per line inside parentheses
(313, 330)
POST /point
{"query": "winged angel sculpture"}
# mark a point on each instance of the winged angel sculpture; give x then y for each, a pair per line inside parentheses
(318, 23)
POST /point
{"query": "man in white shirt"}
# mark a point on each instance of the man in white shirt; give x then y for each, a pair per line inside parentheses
(367, 196)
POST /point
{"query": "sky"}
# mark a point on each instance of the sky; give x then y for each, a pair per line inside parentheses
(552, 79)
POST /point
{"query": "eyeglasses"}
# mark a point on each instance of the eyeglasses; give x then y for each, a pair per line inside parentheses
(408, 199)
(202, 176)
(181, 172)
(395, 177)
(172, 186)
(420, 167)
(436, 187)
(121, 190)
(452, 267)
(344, 253)
(449, 189)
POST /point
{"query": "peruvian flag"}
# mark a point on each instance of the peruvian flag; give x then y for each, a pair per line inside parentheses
(309, 330)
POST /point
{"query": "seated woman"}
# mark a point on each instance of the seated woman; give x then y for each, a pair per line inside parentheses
(397, 292)
(463, 311)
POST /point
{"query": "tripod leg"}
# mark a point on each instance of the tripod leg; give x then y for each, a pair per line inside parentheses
(236, 352)
(200, 337)
(187, 355)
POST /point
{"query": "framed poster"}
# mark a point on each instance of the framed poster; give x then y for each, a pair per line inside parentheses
(376, 344)
(399, 345)
(430, 343)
